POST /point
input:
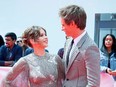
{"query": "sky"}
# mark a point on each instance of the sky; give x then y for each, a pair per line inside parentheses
(18, 15)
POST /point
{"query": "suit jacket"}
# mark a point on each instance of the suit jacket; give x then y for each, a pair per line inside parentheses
(83, 69)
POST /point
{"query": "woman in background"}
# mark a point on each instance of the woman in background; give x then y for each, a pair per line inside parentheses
(1, 41)
(108, 55)
(40, 69)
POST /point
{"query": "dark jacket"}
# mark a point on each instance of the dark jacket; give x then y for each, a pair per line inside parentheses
(10, 55)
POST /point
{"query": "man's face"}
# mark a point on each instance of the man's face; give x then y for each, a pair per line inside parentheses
(68, 29)
(9, 42)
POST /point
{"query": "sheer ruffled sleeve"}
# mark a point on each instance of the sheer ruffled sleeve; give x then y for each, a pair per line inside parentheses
(18, 75)
(60, 71)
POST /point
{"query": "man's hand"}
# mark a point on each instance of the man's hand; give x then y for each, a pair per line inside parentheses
(8, 63)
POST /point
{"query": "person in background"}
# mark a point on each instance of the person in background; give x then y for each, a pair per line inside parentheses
(21, 43)
(30, 50)
(108, 55)
(40, 68)
(10, 53)
(81, 54)
(1, 41)
(61, 50)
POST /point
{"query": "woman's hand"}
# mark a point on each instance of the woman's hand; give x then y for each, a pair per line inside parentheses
(108, 70)
(113, 73)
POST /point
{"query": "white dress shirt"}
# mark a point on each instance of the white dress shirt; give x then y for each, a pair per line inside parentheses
(76, 40)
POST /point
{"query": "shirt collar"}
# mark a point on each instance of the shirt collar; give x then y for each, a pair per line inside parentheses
(77, 39)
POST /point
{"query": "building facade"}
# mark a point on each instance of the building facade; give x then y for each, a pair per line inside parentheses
(105, 23)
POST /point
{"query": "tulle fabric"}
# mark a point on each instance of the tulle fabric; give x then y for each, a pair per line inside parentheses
(35, 71)
(18, 82)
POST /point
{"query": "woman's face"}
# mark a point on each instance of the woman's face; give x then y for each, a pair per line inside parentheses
(108, 41)
(42, 41)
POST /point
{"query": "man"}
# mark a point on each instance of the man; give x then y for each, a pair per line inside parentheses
(82, 63)
(21, 43)
(10, 53)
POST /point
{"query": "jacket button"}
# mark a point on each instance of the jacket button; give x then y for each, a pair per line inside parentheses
(67, 79)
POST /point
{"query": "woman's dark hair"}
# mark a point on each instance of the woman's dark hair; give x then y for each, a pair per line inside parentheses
(113, 45)
(1, 41)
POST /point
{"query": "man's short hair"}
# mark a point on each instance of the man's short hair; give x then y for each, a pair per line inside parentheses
(12, 35)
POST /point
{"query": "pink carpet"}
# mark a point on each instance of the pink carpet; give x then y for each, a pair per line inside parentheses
(107, 80)
(3, 72)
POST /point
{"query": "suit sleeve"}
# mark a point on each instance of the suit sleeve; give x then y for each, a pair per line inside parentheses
(92, 61)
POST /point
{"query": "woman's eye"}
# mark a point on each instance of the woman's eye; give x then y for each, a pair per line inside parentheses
(41, 35)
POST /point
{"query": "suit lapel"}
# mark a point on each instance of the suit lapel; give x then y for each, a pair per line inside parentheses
(73, 56)
(76, 51)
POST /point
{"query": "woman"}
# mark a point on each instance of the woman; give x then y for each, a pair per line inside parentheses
(1, 41)
(108, 55)
(39, 69)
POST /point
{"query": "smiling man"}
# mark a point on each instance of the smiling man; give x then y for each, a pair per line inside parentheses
(81, 54)
(10, 52)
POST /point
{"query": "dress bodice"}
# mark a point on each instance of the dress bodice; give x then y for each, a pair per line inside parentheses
(37, 71)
